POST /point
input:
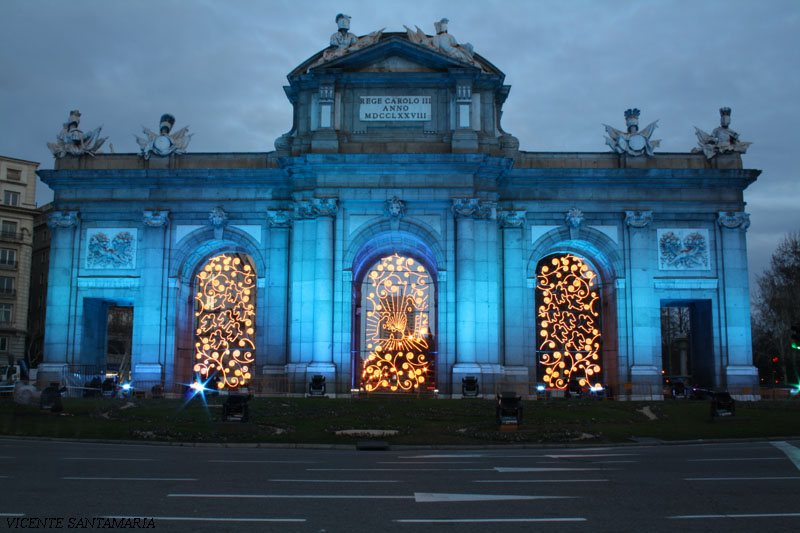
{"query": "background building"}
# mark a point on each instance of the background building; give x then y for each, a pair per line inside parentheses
(397, 239)
(17, 210)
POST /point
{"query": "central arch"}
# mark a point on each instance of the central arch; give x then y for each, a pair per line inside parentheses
(387, 325)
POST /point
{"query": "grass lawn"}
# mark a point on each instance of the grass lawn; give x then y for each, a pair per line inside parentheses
(416, 421)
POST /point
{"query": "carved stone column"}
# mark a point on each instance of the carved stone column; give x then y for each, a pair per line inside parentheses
(58, 340)
(741, 376)
(149, 349)
(464, 209)
(277, 293)
(643, 309)
(511, 223)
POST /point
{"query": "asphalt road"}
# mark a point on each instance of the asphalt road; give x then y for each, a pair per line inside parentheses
(702, 487)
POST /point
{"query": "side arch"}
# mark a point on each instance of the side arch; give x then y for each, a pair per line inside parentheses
(603, 255)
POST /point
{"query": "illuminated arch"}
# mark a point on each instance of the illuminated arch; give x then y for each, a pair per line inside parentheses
(568, 308)
(397, 344)
(224, 321)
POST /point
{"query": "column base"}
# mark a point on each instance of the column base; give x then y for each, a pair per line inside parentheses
(742, 382)
(487, 374)
(645, 384)
(300, 375)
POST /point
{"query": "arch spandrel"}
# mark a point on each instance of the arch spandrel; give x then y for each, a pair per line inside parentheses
(200, 245)
(594, 246)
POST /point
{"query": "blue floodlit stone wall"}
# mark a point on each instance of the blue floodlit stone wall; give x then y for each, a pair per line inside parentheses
(338, 194)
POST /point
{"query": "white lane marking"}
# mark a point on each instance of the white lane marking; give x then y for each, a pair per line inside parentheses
(544, 469)
(737, 459)
(537, 480)
(441, 456)
(76, 478)
(398, 469)
(791, 452)
(426, 462)
(106, 459)
(571, 456)
(438, 497)
(754, 515)
(295, 496)
(482, 520)
(12, 515)
(335, 480)
(737, 478)
(611, 462)
(260, 461)
(210, 519)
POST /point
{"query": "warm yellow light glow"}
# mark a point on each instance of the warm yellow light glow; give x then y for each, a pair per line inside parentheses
(224, 315)
(397, 326)
(568, 323)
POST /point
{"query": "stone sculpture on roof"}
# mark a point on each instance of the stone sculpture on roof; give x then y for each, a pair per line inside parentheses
(442, 42)
(722, 139)
(632, 142)
(164, 143)
(73, 141)
(343, 42)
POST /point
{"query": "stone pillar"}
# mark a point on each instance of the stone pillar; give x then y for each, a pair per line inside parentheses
(323, 285)
(65, 235)
(740, 374)
(148, 349)
(511, 224)
(465, 280)
(464, 138)
(277, 304)
(644, 308)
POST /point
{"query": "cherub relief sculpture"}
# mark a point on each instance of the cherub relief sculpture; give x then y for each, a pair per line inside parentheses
(164, 143)
(442, 42)
(73, 141)
(633, 142)
(722, 139)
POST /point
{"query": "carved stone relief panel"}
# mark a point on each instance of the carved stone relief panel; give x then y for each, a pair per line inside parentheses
(111, 248)
(683, 249)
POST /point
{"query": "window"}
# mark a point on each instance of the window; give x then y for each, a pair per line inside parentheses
(8, 257)
(11, 198)
(6, 286)
(8, 228)
(3, 344)
(5, 313)
(13, 174)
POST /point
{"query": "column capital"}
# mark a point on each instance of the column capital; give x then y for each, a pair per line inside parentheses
(314, 208)
(279, 219)
(63, 219)
(155, 219)
(511, 219)
(474, 208)
(638, 219)
(733, 220)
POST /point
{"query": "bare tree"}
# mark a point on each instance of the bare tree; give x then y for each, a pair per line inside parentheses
(777, 309)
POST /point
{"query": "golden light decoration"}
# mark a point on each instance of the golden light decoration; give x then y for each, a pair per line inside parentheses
(397, 328)
(224, 321)
(568, 322)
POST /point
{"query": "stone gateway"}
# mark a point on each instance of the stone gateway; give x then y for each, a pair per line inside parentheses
(398, 240)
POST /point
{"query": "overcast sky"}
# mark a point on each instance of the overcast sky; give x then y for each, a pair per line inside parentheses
(219, 66)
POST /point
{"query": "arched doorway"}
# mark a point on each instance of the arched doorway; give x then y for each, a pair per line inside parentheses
(568, 319)
(394, 325)
(224, 321)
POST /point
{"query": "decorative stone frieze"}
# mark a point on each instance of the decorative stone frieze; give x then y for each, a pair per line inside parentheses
(316, 207)
(279, 219)
(733, 220)
(394, 208)
(638, 219)
(155, 219)
(111, 248)
(474, 208)
(63, 219)
(511, 219)
(683, 249)
(218, 219)
(574, 218)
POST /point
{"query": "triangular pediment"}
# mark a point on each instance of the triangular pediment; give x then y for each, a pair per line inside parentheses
(393, 53)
